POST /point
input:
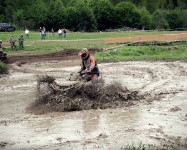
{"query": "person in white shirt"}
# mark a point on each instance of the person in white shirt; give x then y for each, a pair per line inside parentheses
(60, 33)
(27, 33)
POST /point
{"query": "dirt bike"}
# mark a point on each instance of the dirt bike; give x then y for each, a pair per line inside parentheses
(3, 57)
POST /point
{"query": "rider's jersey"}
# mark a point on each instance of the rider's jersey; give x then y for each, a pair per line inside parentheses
(90, 64)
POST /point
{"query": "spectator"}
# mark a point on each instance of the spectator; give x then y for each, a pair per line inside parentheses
(52, 32)
(60, 33)
(13, 42)
(21, 41)
(40, 30)
(64, 33)
(44, 30)
(43, 35)
(27, 33)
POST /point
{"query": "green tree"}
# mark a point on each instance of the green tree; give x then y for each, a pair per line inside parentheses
(182, 4)
(19, 18)
(174, 19)
(2, 11)
(127, 15)
(145, 19)
(37, 14)
(104, 13)
(159, 19)
(184, 17)
(80, 17)
(56, 15)
(151, 5)
(161, 4)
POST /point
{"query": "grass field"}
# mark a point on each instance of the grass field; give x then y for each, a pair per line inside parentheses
(33, 35)
(79, 40)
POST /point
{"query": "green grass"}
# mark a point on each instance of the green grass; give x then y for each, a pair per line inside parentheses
(3, 68)
(148, 147)
(33, 35)
(48, 47)
(74, 41)
(144, 53)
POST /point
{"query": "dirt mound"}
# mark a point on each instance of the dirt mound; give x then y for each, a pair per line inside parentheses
(80, 96)
(68, 54)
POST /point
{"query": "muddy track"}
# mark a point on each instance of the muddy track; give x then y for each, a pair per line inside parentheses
(159, 118)
(63, 55)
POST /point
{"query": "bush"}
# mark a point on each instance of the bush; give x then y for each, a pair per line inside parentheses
(3, 68)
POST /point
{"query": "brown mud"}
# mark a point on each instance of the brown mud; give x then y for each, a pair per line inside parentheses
(63, 55)
(80, 96)
(152, 95)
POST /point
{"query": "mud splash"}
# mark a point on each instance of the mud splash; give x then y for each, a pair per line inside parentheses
(80, 96)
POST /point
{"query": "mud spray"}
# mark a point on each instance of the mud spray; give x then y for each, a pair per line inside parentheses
(80, 96)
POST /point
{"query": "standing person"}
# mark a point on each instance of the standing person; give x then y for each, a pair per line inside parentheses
(60, 33)
(40, 30)
(44, 31)
(64, 33)
(27, 33)
(52, 32)
(89, 65)
(21, 41)
(43, 35)
(13, 42)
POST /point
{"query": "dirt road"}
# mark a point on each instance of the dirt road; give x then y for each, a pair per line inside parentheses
(157, 37)
(158, 120)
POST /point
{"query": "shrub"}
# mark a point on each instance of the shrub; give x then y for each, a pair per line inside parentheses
(3, 68)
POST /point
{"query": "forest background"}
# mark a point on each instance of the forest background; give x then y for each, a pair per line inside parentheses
(94, 15)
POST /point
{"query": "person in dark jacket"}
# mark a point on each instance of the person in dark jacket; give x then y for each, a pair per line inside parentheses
(64, 33)
(21, 41)
(13, 43)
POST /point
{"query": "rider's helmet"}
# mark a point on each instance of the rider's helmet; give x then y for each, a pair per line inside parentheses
(84, 53)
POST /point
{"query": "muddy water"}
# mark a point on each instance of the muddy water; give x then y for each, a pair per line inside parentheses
(160, 119)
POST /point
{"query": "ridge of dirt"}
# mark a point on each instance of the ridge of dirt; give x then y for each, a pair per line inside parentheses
(62, 55)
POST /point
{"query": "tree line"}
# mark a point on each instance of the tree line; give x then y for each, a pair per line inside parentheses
(92, 15)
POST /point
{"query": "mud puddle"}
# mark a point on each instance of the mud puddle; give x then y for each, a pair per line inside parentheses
(160, 120)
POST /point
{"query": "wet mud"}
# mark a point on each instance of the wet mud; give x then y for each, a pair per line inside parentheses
(151, 97)
(62, 55)
(81, 96)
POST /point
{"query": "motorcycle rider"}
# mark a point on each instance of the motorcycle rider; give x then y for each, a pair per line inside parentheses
(89, 65)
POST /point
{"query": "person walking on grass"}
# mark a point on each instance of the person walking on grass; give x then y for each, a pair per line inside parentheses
(60, 33)
(64, 33)
(21, 41)
(13, 43)
(43, 35)
(27, 33)
(52, 32)
(44, 31)
(40, 30)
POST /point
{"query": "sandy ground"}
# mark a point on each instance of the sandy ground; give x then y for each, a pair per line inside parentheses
(159, 120)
